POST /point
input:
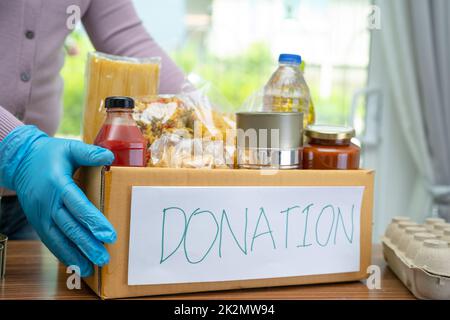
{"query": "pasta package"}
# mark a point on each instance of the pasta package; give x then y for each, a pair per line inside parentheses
(183, 131)
(108, 75)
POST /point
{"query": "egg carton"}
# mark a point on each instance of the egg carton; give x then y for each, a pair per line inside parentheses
(419, 255)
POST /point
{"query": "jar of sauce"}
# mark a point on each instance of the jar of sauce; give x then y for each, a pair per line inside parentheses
(121, 135)
(330, 148)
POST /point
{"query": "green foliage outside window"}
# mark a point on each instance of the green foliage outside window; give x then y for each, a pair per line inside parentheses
(234, 78)
(73, 75)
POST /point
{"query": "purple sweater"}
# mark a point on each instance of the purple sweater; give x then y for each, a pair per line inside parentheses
(32, 34)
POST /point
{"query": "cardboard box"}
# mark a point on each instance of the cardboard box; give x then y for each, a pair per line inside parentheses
(111, 190)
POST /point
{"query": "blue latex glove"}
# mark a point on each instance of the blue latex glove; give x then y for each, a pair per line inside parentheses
(40, 168)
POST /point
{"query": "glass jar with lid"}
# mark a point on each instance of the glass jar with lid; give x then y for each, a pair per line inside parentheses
(330, 148)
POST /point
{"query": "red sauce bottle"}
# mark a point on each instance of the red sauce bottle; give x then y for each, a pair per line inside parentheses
(121, 135)
(330, 148)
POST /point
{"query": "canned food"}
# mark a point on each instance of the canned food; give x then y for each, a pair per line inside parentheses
(269, 140)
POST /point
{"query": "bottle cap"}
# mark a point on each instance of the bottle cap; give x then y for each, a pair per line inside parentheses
(290, 58)
(119, 102)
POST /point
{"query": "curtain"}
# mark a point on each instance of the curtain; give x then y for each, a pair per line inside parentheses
(415, 40)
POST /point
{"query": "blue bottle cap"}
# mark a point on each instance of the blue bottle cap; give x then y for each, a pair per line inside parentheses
(290, 58)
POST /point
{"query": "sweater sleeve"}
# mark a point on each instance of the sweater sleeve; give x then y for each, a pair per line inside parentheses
(7, 123)
(115, 28)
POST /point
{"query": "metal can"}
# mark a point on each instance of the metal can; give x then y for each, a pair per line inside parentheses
(271, 140)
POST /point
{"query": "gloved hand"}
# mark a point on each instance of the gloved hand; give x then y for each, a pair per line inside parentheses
(40, 168)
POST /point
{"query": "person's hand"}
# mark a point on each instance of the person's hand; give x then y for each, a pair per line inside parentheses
(40, 168)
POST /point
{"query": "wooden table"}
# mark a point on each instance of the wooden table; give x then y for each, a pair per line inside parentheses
(33, 273)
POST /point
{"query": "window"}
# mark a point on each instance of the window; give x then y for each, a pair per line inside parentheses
(234, 45)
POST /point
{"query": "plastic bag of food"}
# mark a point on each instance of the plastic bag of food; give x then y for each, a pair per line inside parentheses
(108, 75)
(185, 131)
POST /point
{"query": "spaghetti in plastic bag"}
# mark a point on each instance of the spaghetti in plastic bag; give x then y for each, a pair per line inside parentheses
(109, 75)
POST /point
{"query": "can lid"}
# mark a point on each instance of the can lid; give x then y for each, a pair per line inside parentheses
(326, 132)
(119, 102)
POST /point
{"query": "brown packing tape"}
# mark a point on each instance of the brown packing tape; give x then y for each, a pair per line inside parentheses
(111, 280)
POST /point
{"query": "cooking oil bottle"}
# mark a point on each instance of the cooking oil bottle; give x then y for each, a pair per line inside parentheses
(311, 116)
(287, 90)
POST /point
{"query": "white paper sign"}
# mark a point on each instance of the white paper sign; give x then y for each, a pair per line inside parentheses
(203, 234)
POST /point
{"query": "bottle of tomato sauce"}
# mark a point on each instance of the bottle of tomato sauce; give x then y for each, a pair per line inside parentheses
(330, 148)
(121, 135)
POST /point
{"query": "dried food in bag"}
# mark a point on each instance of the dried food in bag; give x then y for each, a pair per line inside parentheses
(183, 131)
